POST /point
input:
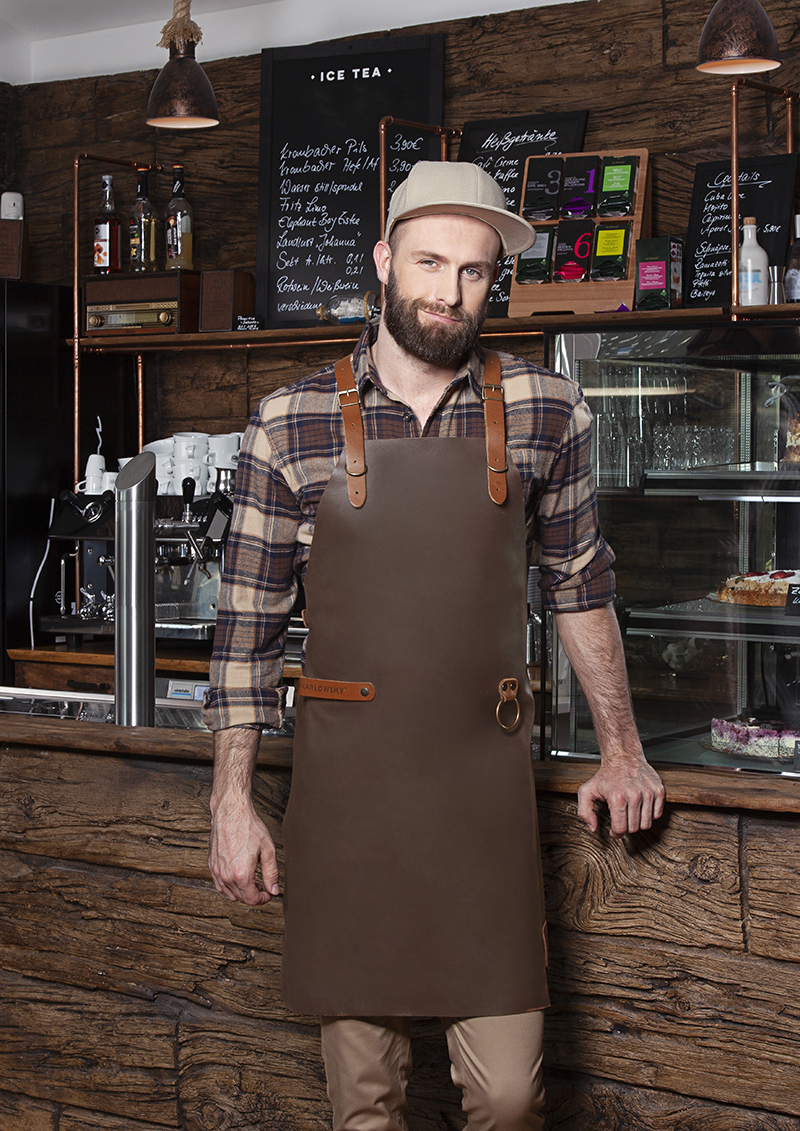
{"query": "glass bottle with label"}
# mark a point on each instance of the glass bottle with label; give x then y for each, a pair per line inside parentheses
(791, 280)
(142, 227)
(753, 267)
(179, 225)
(107, 232)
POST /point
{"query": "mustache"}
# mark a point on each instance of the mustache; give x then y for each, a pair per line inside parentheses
(453, 312)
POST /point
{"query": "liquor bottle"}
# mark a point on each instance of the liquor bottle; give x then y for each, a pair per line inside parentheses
(179, 225)
(107, 232)
(142, 230)
(753, 267)
(791, 280)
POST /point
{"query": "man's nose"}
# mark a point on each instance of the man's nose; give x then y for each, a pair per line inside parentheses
(448, 287)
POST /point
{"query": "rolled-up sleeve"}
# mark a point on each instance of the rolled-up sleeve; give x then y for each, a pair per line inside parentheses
(574, 559)
(258, 591)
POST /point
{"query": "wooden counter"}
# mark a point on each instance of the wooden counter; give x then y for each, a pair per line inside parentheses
(134, 998)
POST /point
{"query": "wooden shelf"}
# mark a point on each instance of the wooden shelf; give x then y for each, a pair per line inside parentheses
(137, 342)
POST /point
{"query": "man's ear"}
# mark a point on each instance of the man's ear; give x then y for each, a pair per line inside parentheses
(382, 254)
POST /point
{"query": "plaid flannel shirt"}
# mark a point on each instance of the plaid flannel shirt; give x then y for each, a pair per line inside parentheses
(292, 444)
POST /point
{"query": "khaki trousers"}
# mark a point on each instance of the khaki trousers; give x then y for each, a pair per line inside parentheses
(495, 1061)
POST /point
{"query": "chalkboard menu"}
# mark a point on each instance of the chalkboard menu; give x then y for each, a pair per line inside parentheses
(318, 185)
(766, 191)
(500, 146)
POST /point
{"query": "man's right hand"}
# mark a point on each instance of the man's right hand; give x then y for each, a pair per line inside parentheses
(240, 841)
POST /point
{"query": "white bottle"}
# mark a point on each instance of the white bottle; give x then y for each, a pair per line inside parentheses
(753, 267)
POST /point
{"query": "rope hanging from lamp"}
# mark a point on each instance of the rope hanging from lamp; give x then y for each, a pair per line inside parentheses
(181, 26)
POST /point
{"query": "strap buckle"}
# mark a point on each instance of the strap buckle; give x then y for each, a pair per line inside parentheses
(347, 393)
(495, 391)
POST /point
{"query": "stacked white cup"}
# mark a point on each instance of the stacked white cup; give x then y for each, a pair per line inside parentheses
(188, 453)
(223, 453)
(162, 450)
(92, 483)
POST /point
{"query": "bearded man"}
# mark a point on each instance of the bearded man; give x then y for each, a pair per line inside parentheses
(408, 488)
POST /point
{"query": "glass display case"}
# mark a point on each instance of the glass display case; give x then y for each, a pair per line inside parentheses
(696, 452)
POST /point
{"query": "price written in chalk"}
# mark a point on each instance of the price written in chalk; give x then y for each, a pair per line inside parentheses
(793, 601)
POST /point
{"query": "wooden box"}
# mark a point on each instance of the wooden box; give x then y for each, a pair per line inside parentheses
(224, 295)
(588, 296)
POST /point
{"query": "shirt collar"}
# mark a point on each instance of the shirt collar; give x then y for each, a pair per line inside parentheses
(365, 370)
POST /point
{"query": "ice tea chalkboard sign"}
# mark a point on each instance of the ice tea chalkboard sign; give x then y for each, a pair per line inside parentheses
(318, 191)
(500, 146)
(766, 191)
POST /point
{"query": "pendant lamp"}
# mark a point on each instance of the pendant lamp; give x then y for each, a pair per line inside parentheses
(738, 38)
(182, 97)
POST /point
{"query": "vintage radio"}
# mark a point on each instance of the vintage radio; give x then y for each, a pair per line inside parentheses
(160, 302)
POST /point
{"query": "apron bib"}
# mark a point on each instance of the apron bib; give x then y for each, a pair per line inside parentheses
(413, 882)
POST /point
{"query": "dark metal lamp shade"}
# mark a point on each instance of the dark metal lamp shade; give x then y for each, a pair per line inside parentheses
(182, 97)
(737, 39)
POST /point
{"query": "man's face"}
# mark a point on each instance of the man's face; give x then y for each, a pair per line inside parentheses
(438, 278)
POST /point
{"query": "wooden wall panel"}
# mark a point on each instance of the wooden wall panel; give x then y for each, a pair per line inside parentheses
(577, 1103)
(18, 1113)
(141, 935)
(89, 1049)
(240, 1075)
(659, 885)
(703, 1023)
(134, 813)
(772, 846)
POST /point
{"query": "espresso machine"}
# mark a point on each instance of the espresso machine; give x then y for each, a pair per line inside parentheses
(190, 539)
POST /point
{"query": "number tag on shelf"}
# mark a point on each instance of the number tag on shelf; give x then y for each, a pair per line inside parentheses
(793, 601)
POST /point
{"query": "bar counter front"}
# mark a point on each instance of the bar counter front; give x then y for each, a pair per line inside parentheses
(135, 998)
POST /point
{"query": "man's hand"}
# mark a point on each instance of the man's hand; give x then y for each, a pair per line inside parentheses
(633, 792)
(240, 841)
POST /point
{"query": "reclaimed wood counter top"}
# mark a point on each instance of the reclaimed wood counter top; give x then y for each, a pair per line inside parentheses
(709, 787)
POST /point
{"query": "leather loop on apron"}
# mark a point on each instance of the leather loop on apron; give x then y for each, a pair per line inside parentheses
(508, 689)
(352, 691)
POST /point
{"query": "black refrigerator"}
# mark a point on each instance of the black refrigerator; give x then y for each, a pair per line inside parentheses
(36, 451)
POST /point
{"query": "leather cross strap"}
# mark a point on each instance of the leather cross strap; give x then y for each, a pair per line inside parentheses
(355, 463)
(495, 426)
(335, 689)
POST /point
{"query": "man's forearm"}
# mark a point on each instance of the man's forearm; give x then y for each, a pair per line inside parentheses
(593, 646)
(235, 753)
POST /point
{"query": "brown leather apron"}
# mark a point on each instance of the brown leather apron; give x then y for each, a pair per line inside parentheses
(413, 881)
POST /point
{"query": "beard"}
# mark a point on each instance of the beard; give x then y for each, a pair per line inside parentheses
(436, 344)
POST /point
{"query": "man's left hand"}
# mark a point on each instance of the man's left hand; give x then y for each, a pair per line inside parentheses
(633, 792)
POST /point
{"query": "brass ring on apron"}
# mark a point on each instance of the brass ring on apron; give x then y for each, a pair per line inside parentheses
(508, 689)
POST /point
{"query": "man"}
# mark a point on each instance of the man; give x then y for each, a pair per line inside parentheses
(413, 885)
